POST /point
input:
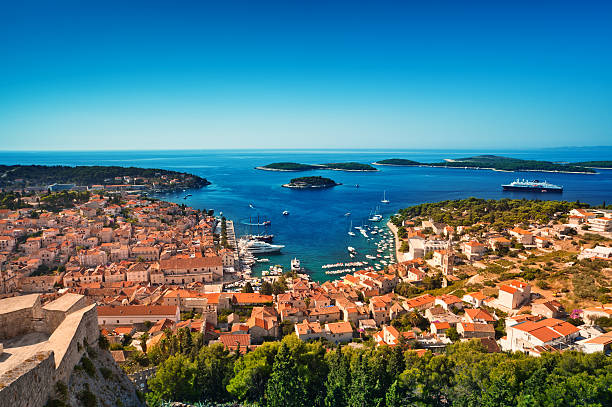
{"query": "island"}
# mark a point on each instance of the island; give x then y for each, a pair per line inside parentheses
(595, 164)
(350, 166)
(311, 182)
(287, 166)
(294, 167)
(60, 177)
(500, 163)
(398, 162)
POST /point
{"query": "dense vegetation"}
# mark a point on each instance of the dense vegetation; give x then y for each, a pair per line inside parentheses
(349, 166)
(312, 182)
(595, 164)
(513, 164)
(502, 213)
(288, 166)
(504, 164)
(398, 162)
(294, 373)
(42, 175)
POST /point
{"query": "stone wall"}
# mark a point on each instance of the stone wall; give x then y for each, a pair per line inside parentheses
(29, 384)
(70, 339)
(20, 320)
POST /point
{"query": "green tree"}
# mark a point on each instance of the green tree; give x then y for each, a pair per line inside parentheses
(266, 288)
(338, 380)
(215, 366)
(175, 379)
(248, 288)
(394, 396)
(286, 386)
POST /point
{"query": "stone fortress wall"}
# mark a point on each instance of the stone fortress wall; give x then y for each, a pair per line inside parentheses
(42, 344)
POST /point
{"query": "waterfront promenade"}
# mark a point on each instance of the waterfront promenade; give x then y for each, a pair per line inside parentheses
(399, 256)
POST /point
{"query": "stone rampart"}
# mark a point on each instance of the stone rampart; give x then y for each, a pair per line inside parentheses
(73, 327)
(70, 339)
(19, 316)
(29, 384)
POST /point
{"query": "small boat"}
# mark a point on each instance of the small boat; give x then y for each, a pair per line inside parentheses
(285, 213)
(356, 185)
(369, 256)
(351, 249)
(385, 200)
(347, 214)
(187, 196)
(251, 206)
(350, 232)
(295, 265)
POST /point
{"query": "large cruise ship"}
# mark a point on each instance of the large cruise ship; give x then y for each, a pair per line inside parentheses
(259, 247)
(534, 186)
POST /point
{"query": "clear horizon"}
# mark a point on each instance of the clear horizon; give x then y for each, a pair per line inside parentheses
(282, 75)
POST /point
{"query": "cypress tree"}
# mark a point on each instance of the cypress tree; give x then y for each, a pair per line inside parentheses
(338, 380)
(285, 387)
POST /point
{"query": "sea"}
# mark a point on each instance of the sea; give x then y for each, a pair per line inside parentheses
(316, 229)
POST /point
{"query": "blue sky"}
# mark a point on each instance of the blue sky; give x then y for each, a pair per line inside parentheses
(304, 74)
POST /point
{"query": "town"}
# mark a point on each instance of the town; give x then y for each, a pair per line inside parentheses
(150, 268)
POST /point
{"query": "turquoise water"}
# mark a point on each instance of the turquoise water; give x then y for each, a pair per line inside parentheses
(316, 229)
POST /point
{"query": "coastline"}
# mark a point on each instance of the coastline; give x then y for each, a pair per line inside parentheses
(277, 169)
(399, 256)
(487, 168)
(293, 186)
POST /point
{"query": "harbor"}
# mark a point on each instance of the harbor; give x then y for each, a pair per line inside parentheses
(371, 248)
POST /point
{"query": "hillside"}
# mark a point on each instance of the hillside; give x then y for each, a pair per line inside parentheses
(19, 176)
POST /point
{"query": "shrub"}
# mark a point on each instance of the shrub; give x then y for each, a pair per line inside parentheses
(87, 398)
(103, 342)
(88, 366)
(106, 372)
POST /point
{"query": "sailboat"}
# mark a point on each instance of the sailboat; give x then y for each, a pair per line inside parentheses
(385, 200)
(350, 232)
(375, 217)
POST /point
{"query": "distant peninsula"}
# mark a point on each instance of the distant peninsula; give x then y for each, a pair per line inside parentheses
(311, 182)
(499, 163)
(595, 164)
(294, 167)
(60, 177)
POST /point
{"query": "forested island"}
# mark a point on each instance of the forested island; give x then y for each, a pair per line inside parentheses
(311, 182)
(400, 162)
(595, 164)
(287, 166)
(18, 177)
(499, 163)
(290, 166)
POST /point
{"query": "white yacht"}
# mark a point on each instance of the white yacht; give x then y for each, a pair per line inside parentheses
(258, 247)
